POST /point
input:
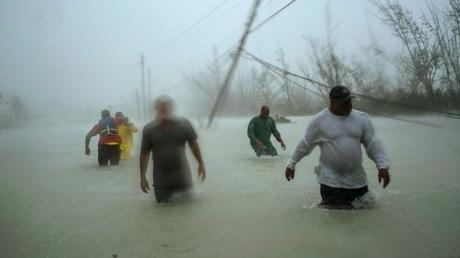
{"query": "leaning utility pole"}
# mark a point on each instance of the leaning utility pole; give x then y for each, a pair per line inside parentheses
(149, 92)
(231, 71)
(139, 114)
(144, 111)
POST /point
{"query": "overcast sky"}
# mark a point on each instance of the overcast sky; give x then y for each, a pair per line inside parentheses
(67, 53)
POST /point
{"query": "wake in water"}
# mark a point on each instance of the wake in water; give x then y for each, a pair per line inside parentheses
(367, 201)
(263, 157)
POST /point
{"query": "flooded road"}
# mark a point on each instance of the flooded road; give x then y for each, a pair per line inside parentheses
(56, 202)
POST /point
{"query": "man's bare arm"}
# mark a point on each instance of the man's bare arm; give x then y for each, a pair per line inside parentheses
(143, 164)
(376, 152)
(87, 141)
(197, 153)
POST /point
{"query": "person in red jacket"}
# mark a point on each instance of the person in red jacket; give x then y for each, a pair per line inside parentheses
(109, 140)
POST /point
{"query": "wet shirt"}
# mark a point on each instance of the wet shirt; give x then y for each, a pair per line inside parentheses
(111, 139)
(340, 139)
(262, 128)
(167, 144)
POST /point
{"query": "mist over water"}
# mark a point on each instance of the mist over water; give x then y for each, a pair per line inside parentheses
(63, 62)
(56, 202)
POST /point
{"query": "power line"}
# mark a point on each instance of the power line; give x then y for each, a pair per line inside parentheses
(231, 70)
(272, 16)
(220, 16)
(280, 74)
(368, 111)
(283, 71)
(259, 25)
(186, 30)
(228, 51)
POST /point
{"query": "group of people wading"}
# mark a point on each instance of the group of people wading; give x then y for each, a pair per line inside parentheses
(338, 130)
(115, 138)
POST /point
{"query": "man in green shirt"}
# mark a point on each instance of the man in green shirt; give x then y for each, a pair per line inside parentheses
(260, 129)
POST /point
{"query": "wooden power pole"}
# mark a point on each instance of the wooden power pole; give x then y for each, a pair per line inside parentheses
(138, 103)
(236, 58)
(144, 110)
(149, 92)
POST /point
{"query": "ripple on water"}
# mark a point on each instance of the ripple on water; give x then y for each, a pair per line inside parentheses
(367, 201)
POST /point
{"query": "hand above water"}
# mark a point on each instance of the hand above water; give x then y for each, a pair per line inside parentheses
(289, 174)
(385, 176)
(201, 172)
(144, 185)
(87, 151)
(283, 146)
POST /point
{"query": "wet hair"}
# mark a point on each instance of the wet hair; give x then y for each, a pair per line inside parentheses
(105, 113)
(119, 114)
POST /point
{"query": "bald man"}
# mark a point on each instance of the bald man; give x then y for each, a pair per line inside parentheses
(165, 139)
(260, 129)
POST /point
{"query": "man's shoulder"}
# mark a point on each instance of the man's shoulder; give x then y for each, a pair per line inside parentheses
(96, 127)
(320, 116)
(360, 114)
(255, 118)
(177, 121)
(151, 125)
(182, 121)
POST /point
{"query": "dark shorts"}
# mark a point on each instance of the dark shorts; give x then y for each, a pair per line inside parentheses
(108, 153)
(163, 194)
(340, 198)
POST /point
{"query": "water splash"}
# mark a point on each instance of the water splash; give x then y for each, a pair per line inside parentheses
(267, 157)
(367, 201)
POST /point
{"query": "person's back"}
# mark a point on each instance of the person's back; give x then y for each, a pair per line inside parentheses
(109, 140)
(107, 128)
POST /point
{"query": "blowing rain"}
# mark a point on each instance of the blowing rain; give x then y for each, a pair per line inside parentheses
(229, 128)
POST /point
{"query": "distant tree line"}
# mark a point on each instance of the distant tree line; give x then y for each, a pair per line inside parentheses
(424, 75)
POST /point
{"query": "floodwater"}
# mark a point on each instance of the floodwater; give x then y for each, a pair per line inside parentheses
(56, 202)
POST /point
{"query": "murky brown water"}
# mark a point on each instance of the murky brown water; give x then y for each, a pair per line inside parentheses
(55, 202)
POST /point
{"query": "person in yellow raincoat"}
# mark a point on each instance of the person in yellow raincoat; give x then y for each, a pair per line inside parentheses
(126, 130)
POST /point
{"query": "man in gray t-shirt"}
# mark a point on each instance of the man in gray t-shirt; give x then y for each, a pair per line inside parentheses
(166, 137)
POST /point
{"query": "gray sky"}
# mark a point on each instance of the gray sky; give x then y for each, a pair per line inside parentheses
(72, 53)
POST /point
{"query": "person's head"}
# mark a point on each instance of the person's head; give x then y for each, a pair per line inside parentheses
(264, 111)
(119, 114)
(164, 106)
(105, 113)
(125, 120)
(340, 98)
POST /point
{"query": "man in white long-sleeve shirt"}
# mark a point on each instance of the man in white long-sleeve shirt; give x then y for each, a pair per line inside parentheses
(339, 131)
